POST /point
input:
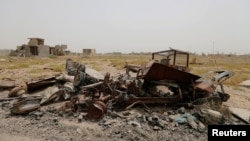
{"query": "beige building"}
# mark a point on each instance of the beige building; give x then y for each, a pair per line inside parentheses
(37, 47)
(89, 52)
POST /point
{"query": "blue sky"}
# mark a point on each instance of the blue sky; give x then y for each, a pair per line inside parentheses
(200, 26)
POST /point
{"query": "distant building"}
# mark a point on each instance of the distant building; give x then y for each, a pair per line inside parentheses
(37, 47)
(4, 52)
(89, 52)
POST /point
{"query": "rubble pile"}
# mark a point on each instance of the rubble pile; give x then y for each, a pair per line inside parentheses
(87, 94)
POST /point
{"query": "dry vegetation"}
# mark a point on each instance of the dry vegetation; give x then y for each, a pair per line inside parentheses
(240, 65)
(33, 67)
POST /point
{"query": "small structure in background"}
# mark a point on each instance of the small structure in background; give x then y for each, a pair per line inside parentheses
(4, 52)
(37, 47)
(88, 52)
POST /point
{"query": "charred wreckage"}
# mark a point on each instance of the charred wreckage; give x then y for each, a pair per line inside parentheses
(166, 79)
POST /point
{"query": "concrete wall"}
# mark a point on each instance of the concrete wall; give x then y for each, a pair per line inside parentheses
(36, 47)
(43, 51)
(35, 41)
(89, 52)
(4, 52)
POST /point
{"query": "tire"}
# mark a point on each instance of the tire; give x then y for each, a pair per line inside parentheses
(79, 79)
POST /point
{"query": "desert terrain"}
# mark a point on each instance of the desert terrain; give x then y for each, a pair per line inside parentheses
(157, 122)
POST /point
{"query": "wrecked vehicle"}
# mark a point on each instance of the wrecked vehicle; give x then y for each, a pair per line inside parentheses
(166, 79)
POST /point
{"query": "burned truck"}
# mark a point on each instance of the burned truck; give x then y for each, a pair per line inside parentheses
(167, 79)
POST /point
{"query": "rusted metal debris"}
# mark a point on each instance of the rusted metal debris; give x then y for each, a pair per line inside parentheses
(25, 105)
(166, 79)
(40, 84)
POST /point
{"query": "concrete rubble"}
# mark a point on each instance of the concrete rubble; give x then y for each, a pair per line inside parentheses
(245, 83)
(86, 94)
(37, 47)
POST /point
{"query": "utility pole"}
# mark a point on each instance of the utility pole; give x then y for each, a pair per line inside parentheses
(213, 48)
(214, 60)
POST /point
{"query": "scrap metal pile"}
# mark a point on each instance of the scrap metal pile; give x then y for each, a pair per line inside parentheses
(164, 80)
